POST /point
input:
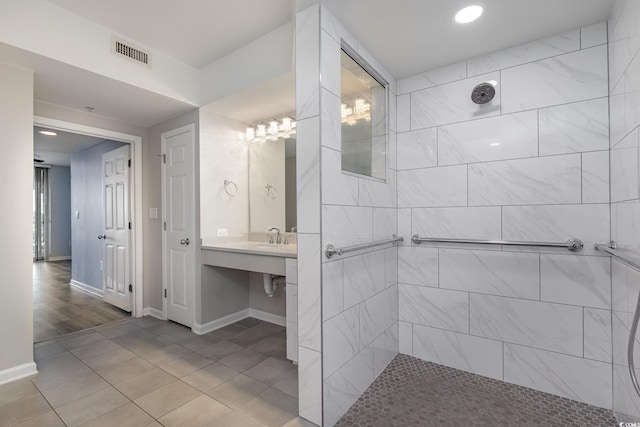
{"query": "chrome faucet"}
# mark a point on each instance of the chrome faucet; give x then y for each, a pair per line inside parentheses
(277, 230)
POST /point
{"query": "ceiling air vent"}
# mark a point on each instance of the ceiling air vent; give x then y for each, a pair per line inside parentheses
(121, 48)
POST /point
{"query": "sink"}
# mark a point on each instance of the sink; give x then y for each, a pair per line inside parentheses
(260, 257)
(276, 246)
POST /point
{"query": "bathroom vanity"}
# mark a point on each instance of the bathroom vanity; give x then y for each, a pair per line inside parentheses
(231, 272)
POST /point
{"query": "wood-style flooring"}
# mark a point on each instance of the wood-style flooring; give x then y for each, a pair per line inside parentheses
(59, 308)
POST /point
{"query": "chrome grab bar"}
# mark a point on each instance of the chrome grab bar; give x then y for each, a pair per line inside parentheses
(609, 250)
(332, 250)
(573, 244)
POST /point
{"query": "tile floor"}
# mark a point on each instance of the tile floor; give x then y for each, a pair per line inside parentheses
(412, 392)
(146, 372)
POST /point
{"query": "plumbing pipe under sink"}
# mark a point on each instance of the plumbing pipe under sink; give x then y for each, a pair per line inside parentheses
(271, 283)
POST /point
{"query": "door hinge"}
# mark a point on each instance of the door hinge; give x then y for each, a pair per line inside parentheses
(165, 226)
(130, 225)
(130, 287)
(165, 293)
(164, 158)
(129, 163)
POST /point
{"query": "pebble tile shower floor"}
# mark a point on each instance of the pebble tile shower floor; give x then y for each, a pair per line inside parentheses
(412, 392)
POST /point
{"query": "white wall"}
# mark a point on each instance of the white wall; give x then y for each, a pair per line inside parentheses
(347, 306)
(531, 165)
(264, 59)
(624, 87)
(16, 174)
(359, 292)
(308, 195)
(60, 209)
(87, 201)
(224, 156)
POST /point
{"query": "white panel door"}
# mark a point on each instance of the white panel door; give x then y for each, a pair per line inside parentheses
(179, 240)
(116, 262)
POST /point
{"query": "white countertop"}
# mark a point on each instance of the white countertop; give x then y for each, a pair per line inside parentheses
(255, 248)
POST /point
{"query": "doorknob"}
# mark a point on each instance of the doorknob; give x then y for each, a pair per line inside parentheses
(185, 242)
(102, 236)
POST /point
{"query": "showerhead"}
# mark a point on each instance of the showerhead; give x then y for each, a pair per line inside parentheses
(483, 93)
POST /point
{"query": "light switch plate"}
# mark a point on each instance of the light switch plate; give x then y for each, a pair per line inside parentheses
(223, 232)
(153, 213)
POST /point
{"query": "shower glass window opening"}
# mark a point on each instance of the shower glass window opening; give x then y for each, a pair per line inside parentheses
(363, 117)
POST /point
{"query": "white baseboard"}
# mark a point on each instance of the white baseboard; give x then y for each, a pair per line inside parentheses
(59, 258)
(153, 312)
(221, 322)
(17, 372)
(86, 288)
(237, 316)
(267, 317)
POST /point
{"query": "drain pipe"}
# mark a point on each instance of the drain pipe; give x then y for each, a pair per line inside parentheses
(271, 283)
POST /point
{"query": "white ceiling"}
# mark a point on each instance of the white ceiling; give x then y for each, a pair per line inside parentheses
(56, 150)
(196, 32)
(265, 101)
(412, 36)
(406, 36)
(62, 84)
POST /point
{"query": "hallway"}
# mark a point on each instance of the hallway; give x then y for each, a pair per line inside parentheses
(59, 308)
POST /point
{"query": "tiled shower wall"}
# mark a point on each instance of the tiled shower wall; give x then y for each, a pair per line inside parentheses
(347, 309)
(531, 165)
(624, 86)
(359, 291)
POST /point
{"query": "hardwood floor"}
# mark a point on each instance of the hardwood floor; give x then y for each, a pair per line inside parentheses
(59, 308)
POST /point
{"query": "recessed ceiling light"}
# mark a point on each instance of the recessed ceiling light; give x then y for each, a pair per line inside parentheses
(47, 132)
(468, 14)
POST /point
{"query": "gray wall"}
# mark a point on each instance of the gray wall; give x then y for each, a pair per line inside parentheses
(60, 208)
(16, 223)
(86, 199)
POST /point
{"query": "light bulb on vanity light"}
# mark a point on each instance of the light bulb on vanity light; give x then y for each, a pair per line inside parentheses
(286, 124)
(261, 132)
(250, 133)
(273, 127)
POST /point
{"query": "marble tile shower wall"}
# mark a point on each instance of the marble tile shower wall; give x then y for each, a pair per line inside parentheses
(359, 292)
(531, 165)
(624, 87)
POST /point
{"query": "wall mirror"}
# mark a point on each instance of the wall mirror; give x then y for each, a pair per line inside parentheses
(272, 183)
(248, 161)
(363, 112)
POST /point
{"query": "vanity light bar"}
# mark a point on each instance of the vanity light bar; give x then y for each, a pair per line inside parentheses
(261, 132)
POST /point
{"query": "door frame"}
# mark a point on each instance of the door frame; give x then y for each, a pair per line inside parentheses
(135, 195)
(196, 238)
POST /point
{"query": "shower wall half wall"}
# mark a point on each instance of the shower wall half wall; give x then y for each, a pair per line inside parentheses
(624, 86)
(531, 165)
(347, 305)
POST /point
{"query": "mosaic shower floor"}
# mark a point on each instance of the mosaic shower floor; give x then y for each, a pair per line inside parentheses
(412, 392)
